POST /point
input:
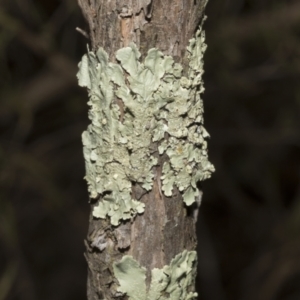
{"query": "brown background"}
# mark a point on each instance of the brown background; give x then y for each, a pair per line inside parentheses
(249, 244)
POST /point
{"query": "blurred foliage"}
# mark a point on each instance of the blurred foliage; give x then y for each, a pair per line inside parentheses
(249, 244)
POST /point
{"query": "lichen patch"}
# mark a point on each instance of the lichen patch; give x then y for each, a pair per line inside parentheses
(161, 106)
(171, 282)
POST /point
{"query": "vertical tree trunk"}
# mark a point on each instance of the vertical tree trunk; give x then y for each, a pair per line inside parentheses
(145, 150)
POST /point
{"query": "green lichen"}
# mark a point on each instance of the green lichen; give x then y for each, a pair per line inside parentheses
(171, 282)
(160, 105)
(131, 277)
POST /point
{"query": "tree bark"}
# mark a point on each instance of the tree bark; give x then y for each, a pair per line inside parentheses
(166, 228)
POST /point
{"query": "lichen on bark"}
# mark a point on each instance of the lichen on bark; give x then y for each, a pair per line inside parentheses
(162, 107)
(171, 282)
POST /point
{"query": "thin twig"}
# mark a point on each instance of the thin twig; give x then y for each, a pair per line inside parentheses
(84, 33)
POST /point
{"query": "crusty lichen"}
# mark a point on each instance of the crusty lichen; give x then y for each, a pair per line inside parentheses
(160, 105)
(171, 282)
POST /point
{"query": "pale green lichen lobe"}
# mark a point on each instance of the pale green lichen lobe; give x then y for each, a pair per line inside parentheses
(160, 105)
(171, 282)
(131, 277)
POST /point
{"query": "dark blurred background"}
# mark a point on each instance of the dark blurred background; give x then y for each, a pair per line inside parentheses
(249, 243)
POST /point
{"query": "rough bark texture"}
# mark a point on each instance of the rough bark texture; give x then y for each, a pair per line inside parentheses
(166, 25)
(167, 227)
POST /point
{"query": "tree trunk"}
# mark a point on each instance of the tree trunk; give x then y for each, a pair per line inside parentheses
(145, 150)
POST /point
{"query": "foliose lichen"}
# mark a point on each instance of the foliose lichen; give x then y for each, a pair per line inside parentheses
(172, 282)
(161, 106)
